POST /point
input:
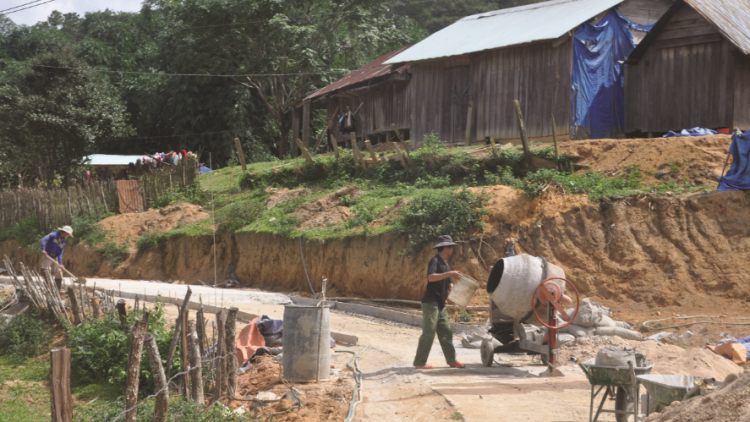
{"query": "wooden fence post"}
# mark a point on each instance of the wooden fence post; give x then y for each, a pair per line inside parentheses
(177, 329)
(161, 409)
(200, 323)
(61, 400)
(374, 156)
(400, 156)
(134, 371)
(307, 155)
(221, 367)
(241, 153)
(74, 305)
(335, 144)
(196, 371)
(398, 132)
(524, 140)
(184, 362)
(467, 137)
(494, 147)
(554, 139)
(95, 311)
(122, 312)
(232, 364)
(355, 150)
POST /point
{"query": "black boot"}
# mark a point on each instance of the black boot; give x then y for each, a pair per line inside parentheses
(58, 283)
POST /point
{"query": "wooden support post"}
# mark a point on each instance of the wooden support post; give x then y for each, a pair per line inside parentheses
(137, 337)
(177, 329)
(467, 137)
(295, 132)
(554, 140)
(398, 132)
(335, 145)
(407, 147)
(121, 311)
(401, 157)
(355, 150)
(306, 123)
(200, 322)
(221, 367)
(161, 409)
(184, 362)
(196, 372)
(494, 147)
(232, 364)
(95, 311)
(61, 399)
(241, 153)
(374, 156)
(307, 155)
(524, 140)
(74, 306)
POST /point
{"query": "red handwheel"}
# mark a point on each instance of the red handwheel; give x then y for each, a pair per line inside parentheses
(550, 293)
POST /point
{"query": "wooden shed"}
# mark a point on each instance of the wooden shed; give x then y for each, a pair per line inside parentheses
(377, 95)
(692, 70)
(466, 76)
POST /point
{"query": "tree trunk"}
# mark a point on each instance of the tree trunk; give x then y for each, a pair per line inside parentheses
(231, 333)
(161, 409)
(61, 399)
(134, 371)
(196, 372)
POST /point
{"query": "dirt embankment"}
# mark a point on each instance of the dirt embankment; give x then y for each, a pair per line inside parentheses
(644, 251)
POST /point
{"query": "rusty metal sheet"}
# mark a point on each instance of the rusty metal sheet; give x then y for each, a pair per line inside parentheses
(732, 17)
(365, 73)
(130, 196)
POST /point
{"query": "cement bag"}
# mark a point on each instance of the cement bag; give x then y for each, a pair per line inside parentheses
(565, 338)
(577, 330)
(618, 356)
(623, 324)
(606, 321)
(619, 332)
(588, 314)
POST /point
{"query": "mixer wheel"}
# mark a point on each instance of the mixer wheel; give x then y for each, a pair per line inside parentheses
(488, 352)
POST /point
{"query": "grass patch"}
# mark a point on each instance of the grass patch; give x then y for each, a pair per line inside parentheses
(24, 391)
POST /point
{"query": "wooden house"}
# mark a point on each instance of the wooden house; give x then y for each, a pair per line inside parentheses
(465, 77)
(692, 70)
(377, 95)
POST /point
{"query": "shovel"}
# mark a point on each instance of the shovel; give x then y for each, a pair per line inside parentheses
(73, 278)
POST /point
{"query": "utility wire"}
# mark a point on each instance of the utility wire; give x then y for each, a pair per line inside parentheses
(16, 7)
(29, 7)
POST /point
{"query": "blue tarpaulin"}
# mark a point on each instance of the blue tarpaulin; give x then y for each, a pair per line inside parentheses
(599, 52)
(738, 176)
(696, 131)
(203, 169)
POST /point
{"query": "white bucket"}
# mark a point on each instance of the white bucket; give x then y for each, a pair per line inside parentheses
(463, 290)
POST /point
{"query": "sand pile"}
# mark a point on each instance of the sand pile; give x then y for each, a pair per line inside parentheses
(699, 159)
(668, 359)
(731, 403)
(326, 211)
(128, 228)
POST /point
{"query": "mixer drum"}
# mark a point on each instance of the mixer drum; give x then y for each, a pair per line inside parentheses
(513, 280)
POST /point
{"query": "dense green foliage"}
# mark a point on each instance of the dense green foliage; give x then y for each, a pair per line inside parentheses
(99, 348)
(26, 232)
(429, 215)
(24, 336)
(179, 411)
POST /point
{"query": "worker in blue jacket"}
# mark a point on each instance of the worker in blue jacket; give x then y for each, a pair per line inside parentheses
(53, 246)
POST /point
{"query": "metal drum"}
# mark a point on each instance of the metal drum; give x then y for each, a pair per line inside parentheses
(307, 343)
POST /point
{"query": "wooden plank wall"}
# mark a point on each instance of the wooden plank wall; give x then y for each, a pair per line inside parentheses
(644, 12)
(538, 75)
(742, 92)
(685, 79)
(427, 99)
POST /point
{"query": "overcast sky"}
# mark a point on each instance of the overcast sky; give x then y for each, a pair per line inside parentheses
(40, 13)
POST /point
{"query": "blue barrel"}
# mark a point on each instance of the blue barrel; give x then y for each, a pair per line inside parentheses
(307, 343)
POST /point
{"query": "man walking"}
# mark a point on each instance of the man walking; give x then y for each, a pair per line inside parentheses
(434, 314)
(53, 246)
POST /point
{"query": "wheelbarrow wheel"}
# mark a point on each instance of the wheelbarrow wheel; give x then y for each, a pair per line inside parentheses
(488, 352)
(623, 402)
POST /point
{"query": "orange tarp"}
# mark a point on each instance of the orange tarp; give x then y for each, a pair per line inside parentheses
(248, 342)
(735, 351)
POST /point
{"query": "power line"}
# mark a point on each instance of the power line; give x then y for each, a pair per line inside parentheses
(203, 75)
(259, 21)
(16, 7)
(29, 7)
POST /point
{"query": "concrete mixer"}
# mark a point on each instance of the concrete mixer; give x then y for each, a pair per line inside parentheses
(527, 289)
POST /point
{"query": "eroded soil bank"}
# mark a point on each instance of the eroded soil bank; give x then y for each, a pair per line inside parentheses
(658, 251)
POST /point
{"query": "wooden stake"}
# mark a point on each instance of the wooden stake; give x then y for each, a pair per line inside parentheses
(307, 155)
(134, 370)
(184, 362)
(335, 144)
(241, 153)
(74, 305)
(120, 311)
(374, 156)
(355, 150)
(494, 147)
(401, 157)
(200, 322)
(398, 132)
(161, 409)
(467, 138)
(232, 364)
(96, 312)
(554, 139)
(196, 372)
(177, 329)
(61, 399)
(524, 140)
(221, 380)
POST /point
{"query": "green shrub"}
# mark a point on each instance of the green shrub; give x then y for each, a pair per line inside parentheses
(150, 240)
(363, 216)
(347, 201)
(25, 336)
(432, 144)
(179, 411)
(99, 348)
(26, 232)
(193, 194)
(240, 214)
(596, 185)
(429, 215)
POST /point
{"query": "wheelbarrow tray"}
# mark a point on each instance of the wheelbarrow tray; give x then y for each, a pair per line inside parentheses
(666, 389)
(613, 375)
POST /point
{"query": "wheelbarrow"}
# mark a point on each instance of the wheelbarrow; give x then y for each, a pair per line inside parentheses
(620, 382)
(667, 389)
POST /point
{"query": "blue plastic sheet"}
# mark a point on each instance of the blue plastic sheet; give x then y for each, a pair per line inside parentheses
(203, 169)
(738, 176)
(598, 91)
(696, 131)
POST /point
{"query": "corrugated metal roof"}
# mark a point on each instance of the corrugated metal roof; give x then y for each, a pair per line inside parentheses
(369, 71)
(112, 160)
(505, 28)
(732, 17)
